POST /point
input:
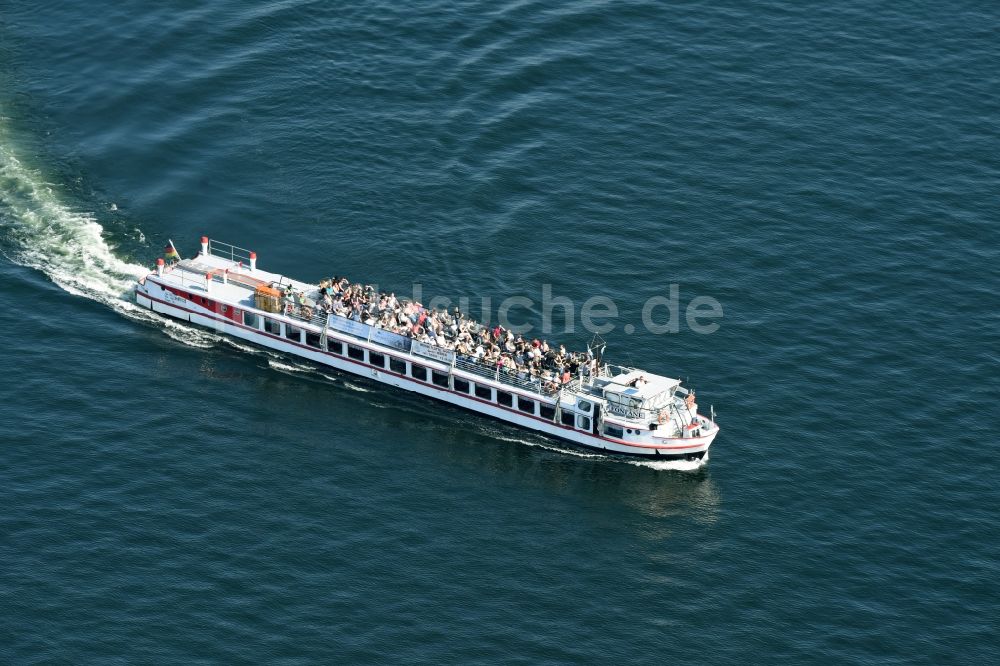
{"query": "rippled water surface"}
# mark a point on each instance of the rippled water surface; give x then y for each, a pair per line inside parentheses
(827, 172)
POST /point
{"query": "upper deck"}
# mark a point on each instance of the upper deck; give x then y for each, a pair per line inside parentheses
(229, 275)
(230, 280)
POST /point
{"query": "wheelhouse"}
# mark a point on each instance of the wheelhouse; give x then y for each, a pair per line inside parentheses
(639, 396)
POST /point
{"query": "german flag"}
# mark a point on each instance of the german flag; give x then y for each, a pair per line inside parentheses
(170, 252)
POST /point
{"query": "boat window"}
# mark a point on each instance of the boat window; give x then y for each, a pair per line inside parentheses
(568, 417)
(634, 404)
(484, 392)
(397, 365)
(335, 347)
(376, 359)
(583, 406)
(439, 378)
(418, 372)
(271, 326)
(526, 405)
(293, 333)
(461, 385)
(505, 398)
(250, 319)
(312, 339)
(546, 412)
(612, 431)
(583, 422)
(357, 353)
(225, 309)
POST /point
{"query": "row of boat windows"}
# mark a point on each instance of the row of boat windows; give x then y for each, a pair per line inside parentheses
(458, 385)
(417, 371)
(274, 327)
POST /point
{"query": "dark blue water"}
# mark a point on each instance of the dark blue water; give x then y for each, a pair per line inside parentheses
(827, 172)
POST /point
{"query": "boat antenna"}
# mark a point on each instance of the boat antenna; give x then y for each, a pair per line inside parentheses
(596, 349)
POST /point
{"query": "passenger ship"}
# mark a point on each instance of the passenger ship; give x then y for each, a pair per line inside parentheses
(617, 409)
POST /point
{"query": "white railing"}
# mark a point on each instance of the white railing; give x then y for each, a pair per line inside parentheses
(490, 372)
(230, 252)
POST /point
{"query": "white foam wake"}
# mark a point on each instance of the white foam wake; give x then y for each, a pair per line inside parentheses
(67, 245)
(674, 465)
(42, 232)
(287, 366)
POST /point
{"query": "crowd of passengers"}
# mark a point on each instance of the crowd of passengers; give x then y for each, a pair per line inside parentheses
(496, 348)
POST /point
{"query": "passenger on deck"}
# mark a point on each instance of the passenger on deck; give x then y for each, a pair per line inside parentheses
(548, 381)
(495, 347)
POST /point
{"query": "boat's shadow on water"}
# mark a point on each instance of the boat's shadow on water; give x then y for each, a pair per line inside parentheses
(594, 479)
(305, 398)
(442, 431)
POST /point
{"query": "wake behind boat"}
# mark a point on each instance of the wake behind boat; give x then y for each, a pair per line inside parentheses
(575, 397)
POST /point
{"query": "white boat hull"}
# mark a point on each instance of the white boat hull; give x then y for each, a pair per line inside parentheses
(153, 296)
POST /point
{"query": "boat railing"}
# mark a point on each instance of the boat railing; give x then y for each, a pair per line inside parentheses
(237, 255)
(313, 315)
(612, 370)
(532, 385)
